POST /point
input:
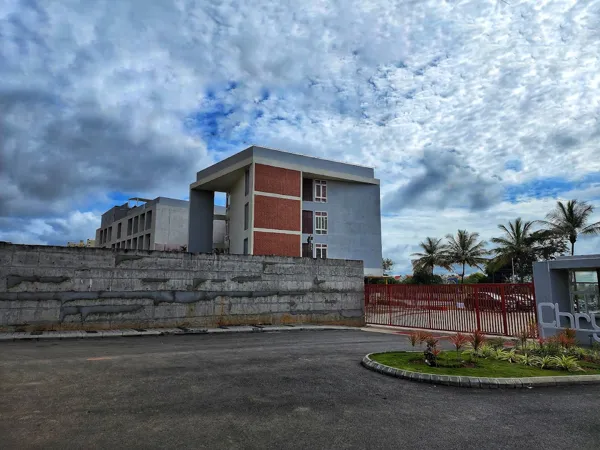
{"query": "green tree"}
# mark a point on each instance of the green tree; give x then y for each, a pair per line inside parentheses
(433, 254)
(570, 220)
(475, 278)
(516, 247)
(465, 250)
(387, 265)
(548, 244)
(420, 277)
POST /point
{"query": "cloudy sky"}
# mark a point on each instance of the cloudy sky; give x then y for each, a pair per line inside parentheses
(472, 112)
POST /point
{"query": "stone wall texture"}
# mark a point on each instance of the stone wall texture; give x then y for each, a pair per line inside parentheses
(58, 288)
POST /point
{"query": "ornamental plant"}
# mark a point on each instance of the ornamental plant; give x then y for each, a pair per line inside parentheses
(476, 339)
(414, 337)
(459, 340)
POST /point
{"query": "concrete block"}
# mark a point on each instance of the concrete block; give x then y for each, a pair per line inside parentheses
(25, 258)
(39, 315)
(170, 311)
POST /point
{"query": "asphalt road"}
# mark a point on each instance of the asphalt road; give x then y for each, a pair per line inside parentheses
(270, 390)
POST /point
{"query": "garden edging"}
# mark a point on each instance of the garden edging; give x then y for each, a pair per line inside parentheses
(479, 382)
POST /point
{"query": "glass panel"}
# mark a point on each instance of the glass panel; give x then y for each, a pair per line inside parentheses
(583, 288)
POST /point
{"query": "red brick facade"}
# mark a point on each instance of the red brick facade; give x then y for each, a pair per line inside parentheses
(276, 180)
(276, 213)
(279, 244)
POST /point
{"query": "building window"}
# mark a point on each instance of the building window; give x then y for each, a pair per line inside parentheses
(148, 220)
(247, 181)
(246, 215)
(320, 191)
(129, 227)
(246, 246)
(307, 222)
(118, 245)
(321, 251)
(307, 189)
(113, 246)
(109, 234)
(320, 222)
(105, 235)
(135, 224)
(119, 230)
(128, 243)
(134, 243)
(147, 245)
(142, 222)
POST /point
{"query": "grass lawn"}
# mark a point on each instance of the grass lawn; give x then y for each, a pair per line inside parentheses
(413, 361)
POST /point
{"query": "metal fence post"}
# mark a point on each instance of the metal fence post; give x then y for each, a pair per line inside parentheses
(476, 293)
(389, 300)
(504, 314)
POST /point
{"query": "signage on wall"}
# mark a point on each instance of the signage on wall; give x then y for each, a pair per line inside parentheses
(574, 320)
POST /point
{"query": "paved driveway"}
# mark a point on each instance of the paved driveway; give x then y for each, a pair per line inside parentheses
(271, 390)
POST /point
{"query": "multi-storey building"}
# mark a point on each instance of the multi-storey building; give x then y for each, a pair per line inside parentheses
(88, 243)
(280, 203)
(159, 224)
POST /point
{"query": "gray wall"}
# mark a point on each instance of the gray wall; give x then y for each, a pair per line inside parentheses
(47, 288)
(200, 224)
(354, 222)
(171, 227)
(551, 279)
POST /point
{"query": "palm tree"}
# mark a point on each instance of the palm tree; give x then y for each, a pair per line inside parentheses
(570, 220)
(433, 254)
(465, 250)
(517, 244)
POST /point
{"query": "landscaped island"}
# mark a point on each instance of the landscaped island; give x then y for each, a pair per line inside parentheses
(495, 358)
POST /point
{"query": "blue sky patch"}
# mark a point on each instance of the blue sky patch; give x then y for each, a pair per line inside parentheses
(514, 164)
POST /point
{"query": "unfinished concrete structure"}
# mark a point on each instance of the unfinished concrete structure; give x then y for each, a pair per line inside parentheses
(159, 224)
(567, 296)
(56, 288)
(280, 203)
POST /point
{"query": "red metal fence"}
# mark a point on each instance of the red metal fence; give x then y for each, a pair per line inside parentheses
(503, 309)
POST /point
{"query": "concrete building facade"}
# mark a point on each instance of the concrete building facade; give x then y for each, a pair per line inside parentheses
(159, 224)
(568, 296)
(285, 204)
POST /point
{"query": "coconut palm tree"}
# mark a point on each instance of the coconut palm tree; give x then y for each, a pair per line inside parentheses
(570, 220)
(516, 246)
(433, 254)
(464, 249)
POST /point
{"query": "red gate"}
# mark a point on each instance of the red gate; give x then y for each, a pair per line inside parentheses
(503, 309)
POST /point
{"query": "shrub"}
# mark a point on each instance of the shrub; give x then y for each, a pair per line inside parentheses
(547, 362)
(566, 363)
(424, 336)
(496, 343)
(414, 338)
(578, 352)
(551, 347)
(476, 339)
(459, 340)
(529, 360)
(487, 351)
(506, 355)
(567, 338)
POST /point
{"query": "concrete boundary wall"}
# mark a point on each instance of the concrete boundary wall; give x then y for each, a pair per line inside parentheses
(58, 288)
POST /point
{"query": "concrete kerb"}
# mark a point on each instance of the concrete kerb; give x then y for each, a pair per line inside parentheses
(20, 336)
(479, 382)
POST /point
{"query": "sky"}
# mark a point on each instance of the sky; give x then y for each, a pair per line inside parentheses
(472, 113)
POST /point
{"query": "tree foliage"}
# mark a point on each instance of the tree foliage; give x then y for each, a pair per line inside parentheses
(433, 254)
(465, 249)
(570, 220)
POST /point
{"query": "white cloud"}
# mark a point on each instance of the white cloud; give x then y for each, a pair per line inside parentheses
(97, 97)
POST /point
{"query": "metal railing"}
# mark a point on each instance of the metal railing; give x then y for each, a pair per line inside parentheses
(502, 309)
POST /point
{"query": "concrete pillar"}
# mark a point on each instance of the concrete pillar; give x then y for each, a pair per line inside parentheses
(200, 230)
